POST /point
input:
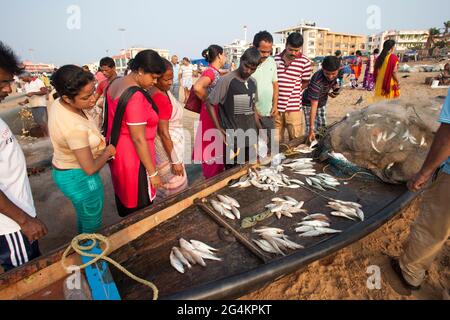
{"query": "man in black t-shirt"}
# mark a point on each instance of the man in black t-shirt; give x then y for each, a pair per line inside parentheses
(235, 94)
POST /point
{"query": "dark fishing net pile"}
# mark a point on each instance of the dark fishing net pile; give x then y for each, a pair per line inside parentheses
(389, 138)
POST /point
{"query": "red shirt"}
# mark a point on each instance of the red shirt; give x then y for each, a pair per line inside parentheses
(102, 87)
(164, 105)
(290, 80)
(126, 164)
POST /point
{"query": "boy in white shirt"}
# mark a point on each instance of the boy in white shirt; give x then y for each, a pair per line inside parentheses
(19, 227)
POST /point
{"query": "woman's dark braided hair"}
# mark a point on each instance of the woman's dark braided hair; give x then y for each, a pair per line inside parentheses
(69, 80)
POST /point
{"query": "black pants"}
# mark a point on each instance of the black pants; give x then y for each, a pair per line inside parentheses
(16, 250)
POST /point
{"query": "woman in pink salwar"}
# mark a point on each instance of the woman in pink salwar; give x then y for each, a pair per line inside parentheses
(209, 150)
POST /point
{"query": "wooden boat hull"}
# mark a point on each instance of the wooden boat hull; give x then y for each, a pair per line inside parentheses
(142, 243)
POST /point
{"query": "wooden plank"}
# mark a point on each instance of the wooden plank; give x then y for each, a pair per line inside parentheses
(249, 245)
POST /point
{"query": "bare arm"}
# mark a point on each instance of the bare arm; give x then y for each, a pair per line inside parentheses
(32, 228)
(305, 84)
(395, 75)
(275, 98)
(213, 116)
(201, 86)
(87, 162)
(163, 132)
(140, 144)
(439, 152)
(312, 120)
(42, 92)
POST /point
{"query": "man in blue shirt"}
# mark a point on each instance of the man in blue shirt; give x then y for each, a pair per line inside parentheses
(431, 229)
(175, 89)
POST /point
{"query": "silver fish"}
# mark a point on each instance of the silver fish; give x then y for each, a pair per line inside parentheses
(190, 248)
(180, 257)
(304, 229)
(314, 216)
(236, 213)
(373, 147)
(208, 256)
(188, 256)
(176, 263)
(342, 215)
(314, 223)
(265, 246)
(225, 200)
(198, 245)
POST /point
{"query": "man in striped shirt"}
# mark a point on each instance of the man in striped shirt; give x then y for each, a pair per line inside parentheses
(294, 73)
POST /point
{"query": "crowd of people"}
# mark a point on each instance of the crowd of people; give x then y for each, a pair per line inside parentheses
(140, 131)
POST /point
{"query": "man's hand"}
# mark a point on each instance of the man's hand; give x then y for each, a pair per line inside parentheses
(274, 111)
(33, 229)
(419, 181)
(29, 95)
(312, 136)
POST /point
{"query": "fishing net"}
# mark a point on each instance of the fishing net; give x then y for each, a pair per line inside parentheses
(390, 139)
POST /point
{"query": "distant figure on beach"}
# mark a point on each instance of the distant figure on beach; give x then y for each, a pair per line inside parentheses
(20, 229)
(169, 142)
(340, 78)
(186, 74)
(387, 84)
(36, 92)
(235, 94)
(108, 69)
(323, 84)
(444, 77)
(175, 89)
(212, 161)
(86, 68)
(431, 229)
(294, 74)
(266, 77)
(133, 169)
(369, 80)
(357, 68)
(80, 151)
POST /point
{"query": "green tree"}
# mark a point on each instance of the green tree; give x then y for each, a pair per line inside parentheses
(431, 41)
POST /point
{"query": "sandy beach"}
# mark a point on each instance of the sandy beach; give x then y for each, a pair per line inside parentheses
(344, 277)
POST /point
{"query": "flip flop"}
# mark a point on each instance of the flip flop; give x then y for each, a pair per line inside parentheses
(395, 264)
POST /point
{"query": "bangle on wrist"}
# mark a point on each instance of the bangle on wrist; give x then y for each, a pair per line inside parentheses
(177, 162)
(154, 174)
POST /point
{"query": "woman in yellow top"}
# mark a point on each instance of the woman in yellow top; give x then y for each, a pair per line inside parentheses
(387, 85)
(80, 151)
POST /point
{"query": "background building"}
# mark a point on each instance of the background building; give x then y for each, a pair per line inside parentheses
(320, 41)
(126, 55)
(406, 40)
(38, 67)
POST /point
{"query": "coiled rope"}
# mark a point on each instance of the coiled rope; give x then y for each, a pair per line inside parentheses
(76, 245)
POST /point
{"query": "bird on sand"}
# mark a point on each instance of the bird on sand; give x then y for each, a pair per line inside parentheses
(360, 100)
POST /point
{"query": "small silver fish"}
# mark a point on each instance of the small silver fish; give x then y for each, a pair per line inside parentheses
(180, 257)
(176, 263)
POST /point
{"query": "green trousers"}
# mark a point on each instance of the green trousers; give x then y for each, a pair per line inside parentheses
(86, 194)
